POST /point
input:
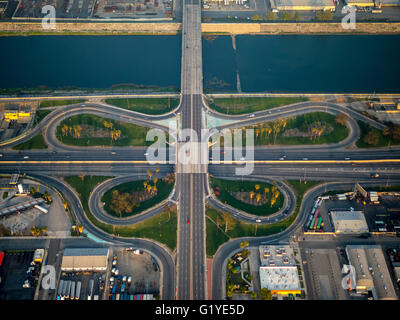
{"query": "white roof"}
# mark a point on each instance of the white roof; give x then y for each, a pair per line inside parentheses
(349, 221)
(279, 278)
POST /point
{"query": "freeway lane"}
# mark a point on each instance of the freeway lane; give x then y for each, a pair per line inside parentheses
(296, 109)
(191, 177)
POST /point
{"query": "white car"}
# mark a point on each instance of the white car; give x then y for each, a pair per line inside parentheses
(258, 220)
(305, 159)
(26, 157)
(251, 116)
(146, 154)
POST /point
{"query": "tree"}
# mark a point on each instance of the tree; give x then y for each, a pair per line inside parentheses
(228, 220)
(244, 244)
(341, 119)
(395, 132)
(372, 138)
(253, 295)
(272, 16)
(265, 294)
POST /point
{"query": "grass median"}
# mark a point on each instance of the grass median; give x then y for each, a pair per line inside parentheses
(371, 137)
(151, 106)
(162, 227)
(57, 103)
(37, 142)
(222, 226)
(243, 105)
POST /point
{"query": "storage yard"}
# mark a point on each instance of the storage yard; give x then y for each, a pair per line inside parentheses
(359, 212)
(135, 275)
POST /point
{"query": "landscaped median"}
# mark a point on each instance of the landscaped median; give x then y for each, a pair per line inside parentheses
(306, 129)
(222, 226)
(243, 105)
(37, 142)
(162, 227)
(134, 197)
(57, 103)
(151, 106)
(258, 198)
(372, 137)
(90, 130)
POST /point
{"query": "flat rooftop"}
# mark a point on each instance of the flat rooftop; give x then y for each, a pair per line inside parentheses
(280, 278)
(349, 221)
(301, 4)
(276, 256)
(371, 270)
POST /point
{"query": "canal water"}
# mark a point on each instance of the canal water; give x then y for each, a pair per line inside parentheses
(286, 63)
(303, 63)
(89, 61)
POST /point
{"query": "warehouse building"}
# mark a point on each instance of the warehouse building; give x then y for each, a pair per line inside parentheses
(278, 270)
(387, 3)
(360, 3)
(371, 272)
(283, 5)
(349, 221)
(85, 259)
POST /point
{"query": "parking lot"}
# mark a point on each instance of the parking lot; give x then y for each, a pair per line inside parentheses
(13, 273)
(141, 267)
(323, 274)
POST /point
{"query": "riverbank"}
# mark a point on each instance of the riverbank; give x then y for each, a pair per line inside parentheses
(35, 28)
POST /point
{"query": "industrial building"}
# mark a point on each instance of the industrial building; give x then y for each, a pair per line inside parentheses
(371, 272)
(85, 259)
(282, 5)
(387, 3)
(360, 3)
(349, 221)
(278, 270)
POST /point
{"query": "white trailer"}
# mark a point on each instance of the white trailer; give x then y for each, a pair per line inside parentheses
(72, 295)
(41, 208)
(78, 290)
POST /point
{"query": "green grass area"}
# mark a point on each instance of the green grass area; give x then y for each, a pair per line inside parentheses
(236, 228)
(227, 186)
(248, 105)
(161, 228)
(314, 123)
(56, 103)
(151, 106)
(37, 142)
(131, 135)
(215, 237)
(381, 141)
(40, 115)
(163, 190)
